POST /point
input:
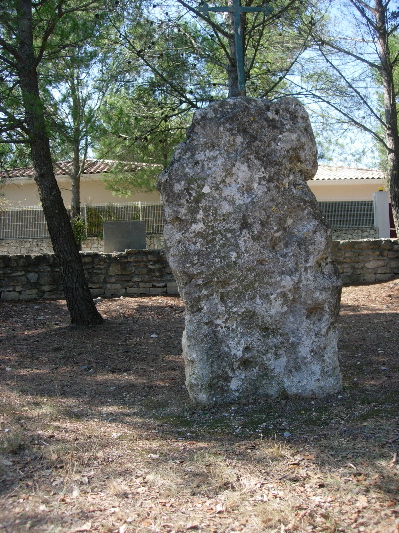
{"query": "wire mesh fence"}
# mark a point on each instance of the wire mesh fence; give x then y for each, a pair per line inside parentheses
(26, 223)
(150, 212)
(29, 222)
(357, 214)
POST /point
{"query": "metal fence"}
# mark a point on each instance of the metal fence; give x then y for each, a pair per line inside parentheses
(26, 223)
(150, 212)
(29, 222)
(358, 214)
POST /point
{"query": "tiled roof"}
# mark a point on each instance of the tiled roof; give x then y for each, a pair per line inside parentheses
(101, 166)
(92, 166)
(326, 172)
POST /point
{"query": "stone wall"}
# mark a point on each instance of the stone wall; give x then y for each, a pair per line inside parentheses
(132, 273)
(43, 246)
(146, 272)
(367, 261)
(354, 234)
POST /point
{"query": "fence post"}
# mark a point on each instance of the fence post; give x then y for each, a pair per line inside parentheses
(84, 215)
(381, 214)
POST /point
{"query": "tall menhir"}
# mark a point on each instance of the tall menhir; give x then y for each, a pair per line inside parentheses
(252, 255)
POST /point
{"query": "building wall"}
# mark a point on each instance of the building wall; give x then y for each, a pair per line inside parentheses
(92, 192)
(146, 272)
(345, 190)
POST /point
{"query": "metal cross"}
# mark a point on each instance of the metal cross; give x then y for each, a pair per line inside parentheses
(237, 9)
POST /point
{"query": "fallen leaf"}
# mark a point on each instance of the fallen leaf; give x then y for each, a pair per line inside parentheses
(85, 527)
(390, 504)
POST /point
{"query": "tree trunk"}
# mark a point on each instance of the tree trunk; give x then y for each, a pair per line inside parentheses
(232, 72)
(80, 303)
(75, 200)
(391, 130)
(75, 180)
(79, 159)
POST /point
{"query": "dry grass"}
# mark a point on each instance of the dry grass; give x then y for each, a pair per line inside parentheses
(97, 433)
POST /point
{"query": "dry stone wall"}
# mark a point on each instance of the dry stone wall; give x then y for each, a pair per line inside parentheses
(367, 261)
(25, 277)
(354, 234)
(43, 246)
(132, 273)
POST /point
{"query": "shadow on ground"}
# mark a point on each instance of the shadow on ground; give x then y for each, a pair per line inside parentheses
(126, 378)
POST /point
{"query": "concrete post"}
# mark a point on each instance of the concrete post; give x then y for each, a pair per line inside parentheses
(124, 235)
(381, 214)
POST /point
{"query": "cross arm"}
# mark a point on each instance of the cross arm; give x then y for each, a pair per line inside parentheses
(231, 9)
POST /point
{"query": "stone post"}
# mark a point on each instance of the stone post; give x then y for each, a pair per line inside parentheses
(251, 254)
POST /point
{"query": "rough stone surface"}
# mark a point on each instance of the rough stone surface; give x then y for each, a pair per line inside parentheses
(251, 255)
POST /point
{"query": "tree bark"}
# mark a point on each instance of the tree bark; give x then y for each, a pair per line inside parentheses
(391, 119)
(233, 88)
(232, 72)
(80, 303)
(75, 181)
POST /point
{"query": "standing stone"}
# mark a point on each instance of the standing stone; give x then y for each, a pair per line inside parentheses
(251, 254)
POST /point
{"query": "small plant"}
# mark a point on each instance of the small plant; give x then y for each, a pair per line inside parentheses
(5, 204)
(79, 229)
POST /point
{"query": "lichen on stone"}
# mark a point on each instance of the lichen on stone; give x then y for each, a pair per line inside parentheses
(251, 254)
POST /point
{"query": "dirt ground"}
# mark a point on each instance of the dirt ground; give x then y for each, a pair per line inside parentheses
(97, 432)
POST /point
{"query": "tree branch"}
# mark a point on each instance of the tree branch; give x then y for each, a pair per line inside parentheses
(216, 27)
(353, 88)
(321, 42)
(351, 119)
(10, 49)
(172, 85)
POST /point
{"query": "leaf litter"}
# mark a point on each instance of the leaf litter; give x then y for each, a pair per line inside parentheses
(97, 432)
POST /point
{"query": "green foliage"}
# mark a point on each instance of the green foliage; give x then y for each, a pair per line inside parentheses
(14, 156)
(96, 216)
(94, 222)
(79, 229)
(67, 64)
(127, 183)
(167, 62)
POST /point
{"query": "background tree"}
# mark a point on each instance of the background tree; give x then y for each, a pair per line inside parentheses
(171, 59)
(76, 84)
(31, 33)
(272, 42)
(353, 75)
(139, 125)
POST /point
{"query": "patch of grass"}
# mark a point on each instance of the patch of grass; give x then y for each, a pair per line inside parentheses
(11, 440)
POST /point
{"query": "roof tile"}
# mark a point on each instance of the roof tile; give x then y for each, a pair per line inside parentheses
(103, 166)
(92, 166)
